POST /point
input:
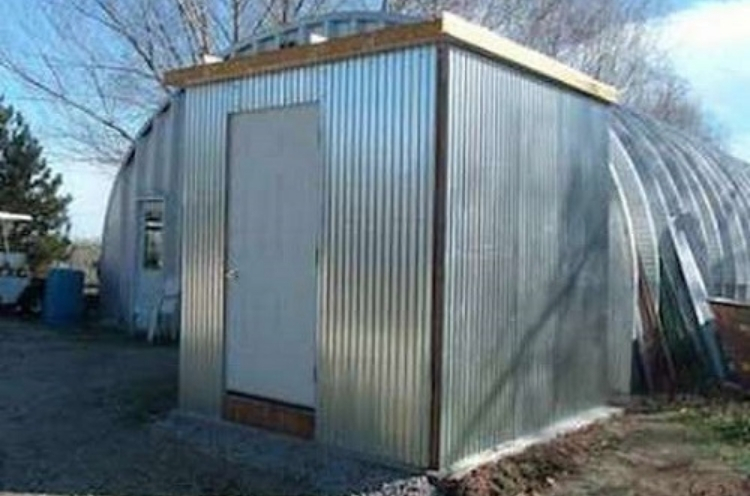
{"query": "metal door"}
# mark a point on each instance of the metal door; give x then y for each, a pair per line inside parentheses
(274, 214)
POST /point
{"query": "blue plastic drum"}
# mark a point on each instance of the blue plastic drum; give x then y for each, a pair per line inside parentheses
(63, 298)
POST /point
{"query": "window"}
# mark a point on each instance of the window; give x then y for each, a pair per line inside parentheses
(287, 42)
(153, 235)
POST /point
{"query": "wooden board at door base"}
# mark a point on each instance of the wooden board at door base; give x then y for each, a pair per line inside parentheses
(270, 415)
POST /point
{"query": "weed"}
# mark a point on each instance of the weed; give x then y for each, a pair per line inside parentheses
(728, 423)
(726, 428)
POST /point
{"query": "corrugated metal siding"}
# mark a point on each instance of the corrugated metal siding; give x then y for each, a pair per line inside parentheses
(129, 241)
(737, 205)
(202, 326)
(679, 182)
(153, 172)
(636, 204)
(170, 181)
(622, 289)
(525, 330)
(110, 267)
(727, 199)
(375, 260)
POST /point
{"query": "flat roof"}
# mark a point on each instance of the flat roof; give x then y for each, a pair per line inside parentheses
(446, 28)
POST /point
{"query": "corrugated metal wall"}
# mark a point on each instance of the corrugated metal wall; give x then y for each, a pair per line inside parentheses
(119, 250)
(623, 325)
(153, 171)
(525, 330)
(375, 260)
(110, 267)
(637, 207)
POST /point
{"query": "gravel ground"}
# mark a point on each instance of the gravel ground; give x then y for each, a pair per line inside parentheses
(75, 418)
(87, 412)
(311, 467)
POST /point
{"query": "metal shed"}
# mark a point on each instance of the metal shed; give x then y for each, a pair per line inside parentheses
(399, 237)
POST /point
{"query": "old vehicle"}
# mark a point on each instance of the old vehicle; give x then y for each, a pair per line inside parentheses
(19, 291)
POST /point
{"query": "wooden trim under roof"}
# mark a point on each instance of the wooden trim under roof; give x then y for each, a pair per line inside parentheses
(479, 38)
(389, 38)
(447, 27)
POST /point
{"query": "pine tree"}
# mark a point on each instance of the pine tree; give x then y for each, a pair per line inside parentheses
(27, 185)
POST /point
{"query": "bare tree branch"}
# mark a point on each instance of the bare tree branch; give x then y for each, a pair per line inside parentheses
(104, 76)
(61, 96)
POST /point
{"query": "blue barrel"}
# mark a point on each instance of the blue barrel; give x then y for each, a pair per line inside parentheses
(63, 297)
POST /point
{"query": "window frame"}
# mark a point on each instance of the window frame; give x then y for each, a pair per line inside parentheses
(151, 255)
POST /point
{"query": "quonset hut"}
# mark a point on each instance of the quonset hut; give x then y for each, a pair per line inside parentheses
(687, 211)
(412, 239)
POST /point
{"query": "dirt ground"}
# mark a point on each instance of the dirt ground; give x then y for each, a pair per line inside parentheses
(685, 449)
(77, 412)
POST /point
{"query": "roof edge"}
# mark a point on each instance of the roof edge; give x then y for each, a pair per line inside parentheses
(447, 27)
(386, 39)
(479, 38)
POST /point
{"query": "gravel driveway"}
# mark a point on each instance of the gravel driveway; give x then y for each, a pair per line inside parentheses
(75, 417)
(78, 412)
(86, 412)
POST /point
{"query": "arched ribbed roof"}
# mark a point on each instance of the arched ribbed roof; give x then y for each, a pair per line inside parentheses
(328, 26)
(684, 178)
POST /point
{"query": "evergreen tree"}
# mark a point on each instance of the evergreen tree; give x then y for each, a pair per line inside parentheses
(27, 185)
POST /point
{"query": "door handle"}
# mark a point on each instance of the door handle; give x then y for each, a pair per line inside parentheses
(231, 274)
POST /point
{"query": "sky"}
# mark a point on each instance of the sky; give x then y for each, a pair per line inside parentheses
(708, 40)
(710, 46)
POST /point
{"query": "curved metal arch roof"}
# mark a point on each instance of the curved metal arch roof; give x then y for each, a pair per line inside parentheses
(669, 172)
(635, 202)
(333, 25)
(707, 189)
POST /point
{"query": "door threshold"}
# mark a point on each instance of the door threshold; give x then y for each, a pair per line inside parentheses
(269, 414)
